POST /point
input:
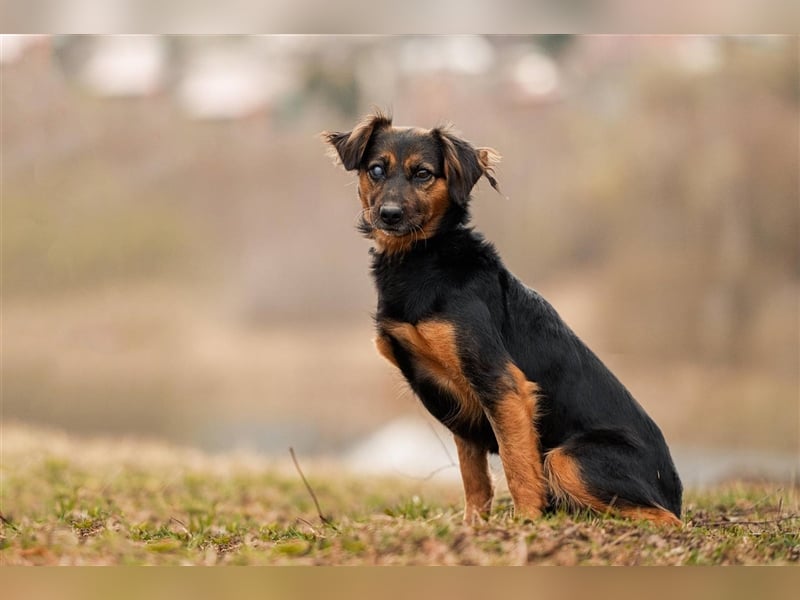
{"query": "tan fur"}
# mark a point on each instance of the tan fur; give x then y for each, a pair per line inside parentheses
(437, 201)
(489, 157)
(433, 345)
(452, 165)
(359, 135)
(564, 478)
(566, 483)
(414, 160)
(477, 480)
(385, 349)
(432, 203)
(659, 516)
(513, 424)
(389, 244)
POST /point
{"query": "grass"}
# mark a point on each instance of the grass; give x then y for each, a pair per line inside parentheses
(71, 502)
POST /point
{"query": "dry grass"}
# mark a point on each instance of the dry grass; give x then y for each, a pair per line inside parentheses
(73, 502)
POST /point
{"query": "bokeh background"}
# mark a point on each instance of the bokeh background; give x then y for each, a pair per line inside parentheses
(180, 259)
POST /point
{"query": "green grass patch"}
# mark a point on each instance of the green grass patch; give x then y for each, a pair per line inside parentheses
(63, 510)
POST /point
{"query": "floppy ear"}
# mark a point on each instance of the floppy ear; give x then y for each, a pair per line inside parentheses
(350, 146)
(464, 164)
(489, 157)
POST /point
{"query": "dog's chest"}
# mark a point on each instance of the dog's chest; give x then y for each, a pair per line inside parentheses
(427, 354)
(408, 296)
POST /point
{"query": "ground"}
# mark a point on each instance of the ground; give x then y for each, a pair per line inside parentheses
(69, 501)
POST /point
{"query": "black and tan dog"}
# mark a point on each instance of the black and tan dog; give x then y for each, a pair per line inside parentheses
(489, 357)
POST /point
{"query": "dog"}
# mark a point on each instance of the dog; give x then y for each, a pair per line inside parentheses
(489, 357)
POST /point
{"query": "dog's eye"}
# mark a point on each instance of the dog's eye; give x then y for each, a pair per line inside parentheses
(423, 175)
(376, 171)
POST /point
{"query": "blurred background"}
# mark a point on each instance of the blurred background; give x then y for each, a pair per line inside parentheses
(180, 259)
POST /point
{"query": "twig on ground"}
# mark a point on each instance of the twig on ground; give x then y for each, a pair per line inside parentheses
(444, 446)
(309, 524)
(764, 522)
(180, 524)
(427, 477)
(322, 517)
(624, 536)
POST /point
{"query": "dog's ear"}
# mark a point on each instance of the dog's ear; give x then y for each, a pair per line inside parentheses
(464, 164)
(489, 157)
(349, 147)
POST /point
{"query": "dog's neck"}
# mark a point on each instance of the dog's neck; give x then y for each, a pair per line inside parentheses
(456, 244)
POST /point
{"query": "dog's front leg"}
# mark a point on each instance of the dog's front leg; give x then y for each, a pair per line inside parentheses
(466, 356)
(511, 411)
(478, 489)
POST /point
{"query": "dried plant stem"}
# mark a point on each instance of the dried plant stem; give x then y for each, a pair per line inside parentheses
(322, 517)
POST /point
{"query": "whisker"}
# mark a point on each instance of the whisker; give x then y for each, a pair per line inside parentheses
(418, 229)
(364, 222)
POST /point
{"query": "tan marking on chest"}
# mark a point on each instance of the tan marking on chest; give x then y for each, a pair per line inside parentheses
(384, 347)
(433, 346)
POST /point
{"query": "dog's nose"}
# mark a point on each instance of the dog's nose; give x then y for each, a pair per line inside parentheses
(390, 214)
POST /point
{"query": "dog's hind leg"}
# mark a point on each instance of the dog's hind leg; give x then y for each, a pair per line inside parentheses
(617, 489)
(512, 415)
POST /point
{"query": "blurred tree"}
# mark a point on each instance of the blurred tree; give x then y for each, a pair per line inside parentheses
(555, 44)
(335, 85)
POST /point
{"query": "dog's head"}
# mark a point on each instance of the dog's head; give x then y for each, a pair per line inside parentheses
(412, 183)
